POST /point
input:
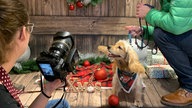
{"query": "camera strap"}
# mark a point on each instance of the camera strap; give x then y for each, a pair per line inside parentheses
(64, 93)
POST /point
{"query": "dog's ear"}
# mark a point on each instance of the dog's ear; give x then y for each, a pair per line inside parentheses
(134, 63)
(103, 49)
(136, 67)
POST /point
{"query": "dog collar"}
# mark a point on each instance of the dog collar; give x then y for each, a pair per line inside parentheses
(126, 80)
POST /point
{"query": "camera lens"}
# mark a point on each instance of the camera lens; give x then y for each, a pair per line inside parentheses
(62, 44)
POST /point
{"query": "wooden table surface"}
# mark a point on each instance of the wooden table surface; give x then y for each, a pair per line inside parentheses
(155, 88)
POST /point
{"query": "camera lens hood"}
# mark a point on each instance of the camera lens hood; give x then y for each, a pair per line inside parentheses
(64, 37)
(63, 33)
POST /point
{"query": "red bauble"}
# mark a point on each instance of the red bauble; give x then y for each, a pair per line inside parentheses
(86, 63)
(71, 7)
(113, 100)
(79, 4)
(100, 74)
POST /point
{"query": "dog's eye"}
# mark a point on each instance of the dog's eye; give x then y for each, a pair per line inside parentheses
(120, 47)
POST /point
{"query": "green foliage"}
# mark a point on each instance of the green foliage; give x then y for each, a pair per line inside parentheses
(94, 60)
(26, 67)
(95, 2)
(70, 1)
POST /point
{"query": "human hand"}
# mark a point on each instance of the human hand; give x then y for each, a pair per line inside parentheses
(135, 31)
(142, 10)
(51, 86)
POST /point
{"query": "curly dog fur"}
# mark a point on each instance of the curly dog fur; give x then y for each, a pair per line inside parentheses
(126, 59)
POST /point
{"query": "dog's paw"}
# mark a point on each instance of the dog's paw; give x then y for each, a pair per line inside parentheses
(103, 49)
(138, 104)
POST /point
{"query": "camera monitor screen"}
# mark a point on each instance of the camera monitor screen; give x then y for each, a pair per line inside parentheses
(46, 69)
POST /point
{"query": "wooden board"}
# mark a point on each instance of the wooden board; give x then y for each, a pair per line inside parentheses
(82, 25)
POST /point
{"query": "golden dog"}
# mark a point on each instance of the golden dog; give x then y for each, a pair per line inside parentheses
(125, 59)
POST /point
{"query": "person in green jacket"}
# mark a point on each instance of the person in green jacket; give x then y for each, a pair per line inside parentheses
(171, 29)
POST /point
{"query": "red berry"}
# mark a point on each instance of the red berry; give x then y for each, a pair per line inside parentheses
(113, 100)
(71, 7)
(86, 63)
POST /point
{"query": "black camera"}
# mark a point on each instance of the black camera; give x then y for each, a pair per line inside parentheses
(61, 58)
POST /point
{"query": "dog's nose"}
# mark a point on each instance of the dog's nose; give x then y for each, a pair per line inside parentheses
(108, 47)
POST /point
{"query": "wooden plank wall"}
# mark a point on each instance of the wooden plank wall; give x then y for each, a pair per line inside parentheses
(102, 24)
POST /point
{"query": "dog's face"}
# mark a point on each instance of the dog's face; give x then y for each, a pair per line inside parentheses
(124, 55)
(119, 51)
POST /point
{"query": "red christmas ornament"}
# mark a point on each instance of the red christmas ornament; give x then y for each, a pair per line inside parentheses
(79, 4)
(100, 74)
(71, 7)
(113, 100)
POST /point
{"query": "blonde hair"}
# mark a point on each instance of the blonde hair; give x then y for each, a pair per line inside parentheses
(13, 15)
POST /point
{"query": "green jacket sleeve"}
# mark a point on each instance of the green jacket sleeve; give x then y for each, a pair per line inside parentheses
(175, 16)
(148, 34)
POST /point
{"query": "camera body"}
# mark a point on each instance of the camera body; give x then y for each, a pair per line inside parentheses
(61, 58)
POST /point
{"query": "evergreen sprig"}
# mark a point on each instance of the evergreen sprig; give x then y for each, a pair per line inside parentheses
(26, 67)
(95, 2)
(95, 60)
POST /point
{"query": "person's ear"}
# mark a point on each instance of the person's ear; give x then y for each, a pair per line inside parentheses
(23, 34)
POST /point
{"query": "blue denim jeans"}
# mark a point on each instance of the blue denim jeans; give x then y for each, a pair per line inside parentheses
(177, 49)
(62, 104)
